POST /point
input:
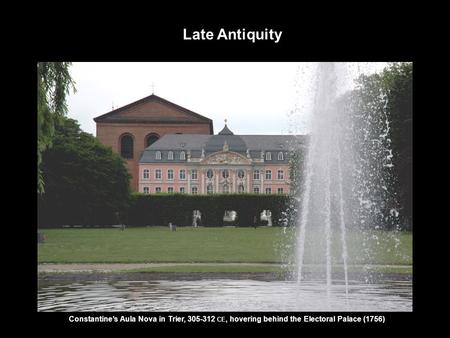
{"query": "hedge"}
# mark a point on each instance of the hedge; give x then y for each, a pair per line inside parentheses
(160, 209)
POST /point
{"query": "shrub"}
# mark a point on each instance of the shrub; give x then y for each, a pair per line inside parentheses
(160, 209)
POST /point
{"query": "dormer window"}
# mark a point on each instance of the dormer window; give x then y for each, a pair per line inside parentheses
(170, 155)
(268, 156)
(158, 155)
(182, 155)
(280, 156)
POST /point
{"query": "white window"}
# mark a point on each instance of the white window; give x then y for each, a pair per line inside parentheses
(193, 174)
(241, 188)
(170, 189)
(241, 173)
(280, 190)
(158, 175)
(280, 156)
(182, 155)
(170, 155)
(170, 174)
(182, 190)
(182, 174)
(226, 189)
(209, 189)
(268, 156)
(194, 190)
(146, 190)
(268, 174)
(280, 175)
(146, 174)
(158, 155)
(256, 175)
(268, 191)
(158, 190)
(256, 190)
(209, 173)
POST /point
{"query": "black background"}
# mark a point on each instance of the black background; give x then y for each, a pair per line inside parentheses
(131, 37)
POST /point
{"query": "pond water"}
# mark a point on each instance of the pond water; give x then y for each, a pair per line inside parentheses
(223, 295)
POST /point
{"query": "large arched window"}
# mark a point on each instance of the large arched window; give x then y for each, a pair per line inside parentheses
(150, 139)
(126, 146)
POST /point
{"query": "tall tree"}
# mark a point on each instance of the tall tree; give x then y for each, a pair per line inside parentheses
(53, 85)
(86, 182)
(398, 81)
(385, 100)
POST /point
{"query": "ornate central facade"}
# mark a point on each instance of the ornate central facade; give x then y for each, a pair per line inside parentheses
(223, 163)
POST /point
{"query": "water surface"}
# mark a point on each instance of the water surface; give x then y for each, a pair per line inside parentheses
(223, 295)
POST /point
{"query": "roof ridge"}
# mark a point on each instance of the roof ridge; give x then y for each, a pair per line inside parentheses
(150, 98)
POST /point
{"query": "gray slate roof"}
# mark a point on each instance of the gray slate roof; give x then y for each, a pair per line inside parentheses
(213, 143)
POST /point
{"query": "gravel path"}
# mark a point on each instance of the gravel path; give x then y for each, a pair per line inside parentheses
(111, 267)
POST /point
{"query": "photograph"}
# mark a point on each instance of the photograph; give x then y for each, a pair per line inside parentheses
(225, 187)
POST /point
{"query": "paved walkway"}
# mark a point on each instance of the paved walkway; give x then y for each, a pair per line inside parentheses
(108, 267)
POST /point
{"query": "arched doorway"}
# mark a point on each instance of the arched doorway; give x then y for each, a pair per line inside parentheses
(266, 217)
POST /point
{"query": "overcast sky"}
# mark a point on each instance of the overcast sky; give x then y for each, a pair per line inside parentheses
(255, 97)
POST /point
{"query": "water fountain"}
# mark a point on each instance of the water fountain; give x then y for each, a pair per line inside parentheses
(341, 153)
(324, 144)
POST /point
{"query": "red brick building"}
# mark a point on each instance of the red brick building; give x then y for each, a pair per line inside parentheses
(132, 128)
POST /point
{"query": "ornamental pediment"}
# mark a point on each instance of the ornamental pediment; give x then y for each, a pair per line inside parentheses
(226, 157)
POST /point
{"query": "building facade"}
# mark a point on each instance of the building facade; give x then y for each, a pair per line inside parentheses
(132, 128)
(170, 149)
(222, 163)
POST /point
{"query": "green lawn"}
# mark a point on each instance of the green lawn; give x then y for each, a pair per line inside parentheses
(374, 247)
(225, 244)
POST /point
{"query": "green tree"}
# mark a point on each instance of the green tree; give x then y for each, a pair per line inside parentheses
(387, 96)
(53, 84)
(397, 81)
(86, 182)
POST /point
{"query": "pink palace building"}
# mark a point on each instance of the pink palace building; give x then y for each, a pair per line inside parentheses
(222, 163)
